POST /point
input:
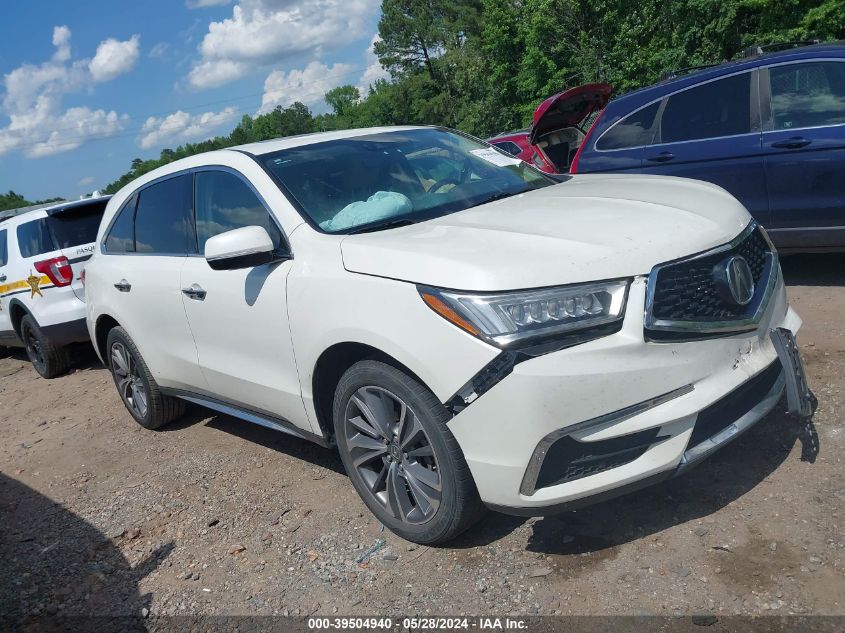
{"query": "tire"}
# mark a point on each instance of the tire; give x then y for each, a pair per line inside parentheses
(49, 360)
(137, 388)
(398, 478)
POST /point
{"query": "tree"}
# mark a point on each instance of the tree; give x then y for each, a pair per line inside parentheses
(342, 99)
(415, 32)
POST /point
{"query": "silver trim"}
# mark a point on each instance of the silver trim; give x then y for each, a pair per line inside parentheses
(529, 479)
(242, 414)
(732, 431)
(707, 327)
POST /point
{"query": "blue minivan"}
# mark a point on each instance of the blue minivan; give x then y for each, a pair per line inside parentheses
(769, 128)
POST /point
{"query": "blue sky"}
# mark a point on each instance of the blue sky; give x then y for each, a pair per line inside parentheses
(89, 85)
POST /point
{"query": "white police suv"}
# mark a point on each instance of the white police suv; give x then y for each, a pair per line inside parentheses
(42, 298)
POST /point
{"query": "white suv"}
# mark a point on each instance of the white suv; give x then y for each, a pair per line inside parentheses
(42, 299)
(463, 329)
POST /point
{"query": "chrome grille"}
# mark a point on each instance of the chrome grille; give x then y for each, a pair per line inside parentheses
(684, 300)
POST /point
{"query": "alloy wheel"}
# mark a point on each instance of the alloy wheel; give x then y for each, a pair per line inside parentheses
(129, 383)
(33, 347)
(393, 455)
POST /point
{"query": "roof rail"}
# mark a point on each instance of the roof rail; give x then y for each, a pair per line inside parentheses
(666, 75)
(760, 49)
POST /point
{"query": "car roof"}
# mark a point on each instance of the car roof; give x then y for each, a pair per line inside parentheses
(300, 140)
(836, 49)
(27, 214)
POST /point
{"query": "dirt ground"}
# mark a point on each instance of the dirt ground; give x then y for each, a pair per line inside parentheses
(216, 516)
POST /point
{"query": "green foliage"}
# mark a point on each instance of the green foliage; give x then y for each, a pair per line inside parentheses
(14, 200)
(483, 66)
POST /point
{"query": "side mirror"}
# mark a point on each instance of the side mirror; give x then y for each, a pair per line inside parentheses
(245, 247)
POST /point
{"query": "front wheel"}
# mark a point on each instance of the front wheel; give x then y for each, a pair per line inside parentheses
(136, 385)
(401, 457)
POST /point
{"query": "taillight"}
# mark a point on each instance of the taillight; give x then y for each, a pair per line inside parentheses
(58, 269)
(573, 168)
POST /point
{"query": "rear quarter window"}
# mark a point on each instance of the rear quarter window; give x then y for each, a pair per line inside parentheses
(635, 130)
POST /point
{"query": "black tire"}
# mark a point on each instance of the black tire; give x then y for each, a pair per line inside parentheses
(48, 359)
(137, 386)
(459, 505)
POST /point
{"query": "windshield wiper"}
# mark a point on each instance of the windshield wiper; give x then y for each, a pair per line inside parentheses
(497, 196)
(380, 226)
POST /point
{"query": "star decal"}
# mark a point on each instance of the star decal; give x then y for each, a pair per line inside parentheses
(34, 283)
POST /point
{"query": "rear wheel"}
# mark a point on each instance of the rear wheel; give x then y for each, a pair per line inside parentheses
(136, 386)
(48, 359)
(399, 454)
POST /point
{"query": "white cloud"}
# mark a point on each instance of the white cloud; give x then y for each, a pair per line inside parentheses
(201, 4)
(181, 126)
(307, 85)
(373, 72)
(88, 180)
(33, 96)
(159, 51)
(263, 32)
(61, 40)
(114, 58)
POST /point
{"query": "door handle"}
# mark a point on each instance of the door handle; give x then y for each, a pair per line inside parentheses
(792, 143)
(2, 277)
(195, 292)
(662, 157)
(123, 285)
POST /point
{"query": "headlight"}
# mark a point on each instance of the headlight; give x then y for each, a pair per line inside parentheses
(510, 318)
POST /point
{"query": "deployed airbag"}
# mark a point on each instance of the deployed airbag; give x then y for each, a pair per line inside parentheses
(380, 205)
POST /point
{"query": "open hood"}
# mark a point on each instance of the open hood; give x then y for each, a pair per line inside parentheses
(568, 108)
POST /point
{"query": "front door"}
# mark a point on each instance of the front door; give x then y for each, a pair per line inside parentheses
(239, 318)
(804, 144)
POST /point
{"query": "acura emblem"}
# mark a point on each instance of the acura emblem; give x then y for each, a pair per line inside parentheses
(734, 280)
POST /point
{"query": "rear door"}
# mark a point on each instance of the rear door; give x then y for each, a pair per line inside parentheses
(146, 247)
(712, 131)
(804, 144)
(6, 331)
(74, 231)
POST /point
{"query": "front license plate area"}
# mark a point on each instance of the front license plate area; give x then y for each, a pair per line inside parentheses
(799, 398)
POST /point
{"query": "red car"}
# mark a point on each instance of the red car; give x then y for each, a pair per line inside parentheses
(560, 125)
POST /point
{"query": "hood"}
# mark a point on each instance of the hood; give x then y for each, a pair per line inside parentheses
(568, 108)
(589, 228)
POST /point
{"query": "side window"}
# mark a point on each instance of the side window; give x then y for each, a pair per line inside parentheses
(509, 147)
(718, 108)
(34, 238)
(632, 131)
(225, 202)
(121, 237)
(4, 250)
(808, 95)
(164, 220)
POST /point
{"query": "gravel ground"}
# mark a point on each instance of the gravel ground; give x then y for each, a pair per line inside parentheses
(215, 516)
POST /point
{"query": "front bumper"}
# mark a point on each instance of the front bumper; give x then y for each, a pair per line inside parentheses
(617, 413)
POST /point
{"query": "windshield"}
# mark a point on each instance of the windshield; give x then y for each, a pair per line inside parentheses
(394, 178)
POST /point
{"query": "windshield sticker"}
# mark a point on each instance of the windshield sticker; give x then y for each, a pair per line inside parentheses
(495, 157)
